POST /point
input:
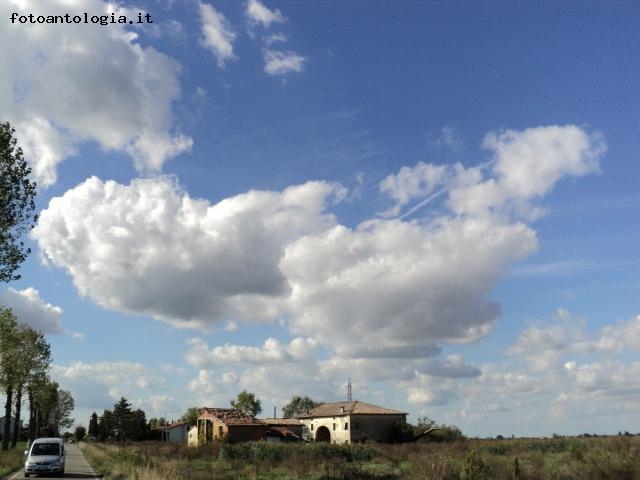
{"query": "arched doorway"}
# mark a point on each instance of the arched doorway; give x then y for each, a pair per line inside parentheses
(323, 435)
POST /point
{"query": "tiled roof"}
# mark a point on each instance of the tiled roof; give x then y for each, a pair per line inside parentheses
(281, 421)
(229, 416)
(177, 424)
(349, 408)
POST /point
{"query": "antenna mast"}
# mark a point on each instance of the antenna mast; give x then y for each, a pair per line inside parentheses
(349, 398)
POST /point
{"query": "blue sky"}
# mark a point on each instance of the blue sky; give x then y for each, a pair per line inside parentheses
(436, 199)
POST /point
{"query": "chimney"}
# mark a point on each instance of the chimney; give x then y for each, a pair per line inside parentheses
(274, 412)
(341, 409)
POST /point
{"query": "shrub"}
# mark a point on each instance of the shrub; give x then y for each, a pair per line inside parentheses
(474, 468)
(516, 469)
(401, 432)
(433, 467)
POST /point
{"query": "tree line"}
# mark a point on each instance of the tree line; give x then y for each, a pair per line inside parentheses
(120, 423)
(25, 354)
(25, 358)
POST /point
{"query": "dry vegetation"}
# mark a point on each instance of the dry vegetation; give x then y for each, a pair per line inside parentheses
(615, 458)
(11, 460)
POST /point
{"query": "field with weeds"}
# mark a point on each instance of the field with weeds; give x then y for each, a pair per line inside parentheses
(614, 458)
(11, 460)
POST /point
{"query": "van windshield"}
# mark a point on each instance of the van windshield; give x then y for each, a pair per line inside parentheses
(45, 449)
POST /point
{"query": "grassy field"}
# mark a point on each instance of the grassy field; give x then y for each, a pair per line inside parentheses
(611, 458)
(11, 460)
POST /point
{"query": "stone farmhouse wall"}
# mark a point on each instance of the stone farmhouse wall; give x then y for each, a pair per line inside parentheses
(377, 428)
(353, 428)
(338, 428)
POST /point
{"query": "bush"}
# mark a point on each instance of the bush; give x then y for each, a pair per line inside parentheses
(401, 432)
(13, 459)
(474, 468)
(433, 467)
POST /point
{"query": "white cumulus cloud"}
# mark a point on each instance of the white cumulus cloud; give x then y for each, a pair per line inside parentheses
(409, 183)
(29, 308)
(200, 356)
(101, 383)
(393, 284)
(150, 248)
(525, 166)
(58, 90)
(385, 289)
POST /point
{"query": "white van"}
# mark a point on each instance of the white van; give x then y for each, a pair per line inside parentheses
(46, 455)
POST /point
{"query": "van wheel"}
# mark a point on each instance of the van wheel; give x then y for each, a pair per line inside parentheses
(26, 475)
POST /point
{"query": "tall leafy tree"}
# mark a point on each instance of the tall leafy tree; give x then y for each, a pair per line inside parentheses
(17, 203)
(137, 427)
(190, 417)
(157, 422)
(80, 432)
(41, 393)
(247, 403)
(61, 415)
(24, 360)
(46, 408)
(298, 405)
(34, 360)
(9, 366)
(94, 429)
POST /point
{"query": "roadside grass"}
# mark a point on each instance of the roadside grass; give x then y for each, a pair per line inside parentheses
(13, 459)
(517, 459)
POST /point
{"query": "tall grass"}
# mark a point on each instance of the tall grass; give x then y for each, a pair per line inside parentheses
(13, 459)
(521, 459)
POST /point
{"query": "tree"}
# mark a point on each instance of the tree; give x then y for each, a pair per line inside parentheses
(247, 403)
(157, 422)
(298, 405)
(34, 358)
(61, 417)
(94, 429)
(190, 417)
(137, 427)
(425, 423)
(25, 356)
(42, 396)
(122, 418)
(17, 204)
(9, 366)
(80, 432)
(51, 409)
(106, 425)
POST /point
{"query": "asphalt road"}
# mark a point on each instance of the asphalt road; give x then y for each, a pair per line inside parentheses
(75, 466)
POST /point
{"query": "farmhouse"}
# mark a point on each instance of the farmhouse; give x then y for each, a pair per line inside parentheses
(229, 424)
(348, 422)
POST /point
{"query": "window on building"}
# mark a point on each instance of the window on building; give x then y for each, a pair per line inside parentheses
(220, 431)
(346, 426)
(312, 427)
(334, 426)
